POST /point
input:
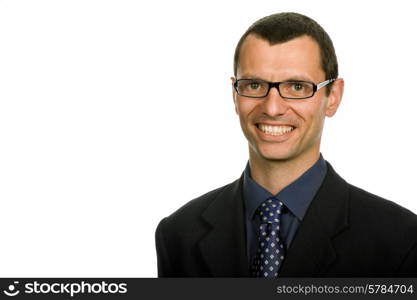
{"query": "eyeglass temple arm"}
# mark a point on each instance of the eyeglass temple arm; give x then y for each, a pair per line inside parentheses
(324, 83)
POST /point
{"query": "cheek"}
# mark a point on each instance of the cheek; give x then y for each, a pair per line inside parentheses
(244, 109)
(311, 114)
(316, 122)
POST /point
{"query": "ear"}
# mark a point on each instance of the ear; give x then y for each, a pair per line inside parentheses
(234, 93)
(335, 97)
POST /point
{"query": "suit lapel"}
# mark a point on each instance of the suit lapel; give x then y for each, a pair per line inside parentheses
(312, 250)
(224, 246)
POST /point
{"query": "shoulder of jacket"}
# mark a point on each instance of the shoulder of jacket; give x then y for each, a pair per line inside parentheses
(195, 207)
(367, 200)
(380, 212)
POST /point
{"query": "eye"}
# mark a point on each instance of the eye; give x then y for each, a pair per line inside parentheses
(296, 89)
(250, 85)
(297, 86)
(254, 85)
(252, 88)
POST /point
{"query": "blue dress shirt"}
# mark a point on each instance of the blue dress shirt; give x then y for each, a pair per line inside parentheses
(296, 197)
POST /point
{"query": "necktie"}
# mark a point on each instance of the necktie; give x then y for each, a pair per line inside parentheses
(271, 250)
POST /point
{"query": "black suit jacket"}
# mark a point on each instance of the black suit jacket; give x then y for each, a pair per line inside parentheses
(346, 232)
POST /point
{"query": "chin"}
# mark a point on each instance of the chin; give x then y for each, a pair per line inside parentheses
(276, 157)
(275, 154)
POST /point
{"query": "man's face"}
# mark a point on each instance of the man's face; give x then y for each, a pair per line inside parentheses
(278, 128)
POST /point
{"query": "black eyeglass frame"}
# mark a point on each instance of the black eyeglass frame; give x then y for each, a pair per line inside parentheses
(316, 87)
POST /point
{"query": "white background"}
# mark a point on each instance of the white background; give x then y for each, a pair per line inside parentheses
(106, 126)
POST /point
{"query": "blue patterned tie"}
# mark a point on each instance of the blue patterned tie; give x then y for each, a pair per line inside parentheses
(271, 250)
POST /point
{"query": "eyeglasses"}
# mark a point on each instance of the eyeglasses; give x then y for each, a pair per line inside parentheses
(292, 89)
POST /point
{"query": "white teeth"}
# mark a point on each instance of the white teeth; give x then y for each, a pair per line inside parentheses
(275, 130)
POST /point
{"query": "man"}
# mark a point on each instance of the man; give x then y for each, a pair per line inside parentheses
(289, 214)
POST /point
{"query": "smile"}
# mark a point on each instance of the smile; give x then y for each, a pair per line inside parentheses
(275, 130)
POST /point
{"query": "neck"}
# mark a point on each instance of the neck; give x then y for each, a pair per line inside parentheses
(274, 175)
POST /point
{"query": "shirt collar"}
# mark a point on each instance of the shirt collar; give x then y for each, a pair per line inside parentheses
(297, 196)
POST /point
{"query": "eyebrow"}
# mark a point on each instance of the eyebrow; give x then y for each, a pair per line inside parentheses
(292, 78)
(299, 79)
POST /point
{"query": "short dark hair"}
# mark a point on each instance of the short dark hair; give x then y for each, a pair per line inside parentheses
(282, 27)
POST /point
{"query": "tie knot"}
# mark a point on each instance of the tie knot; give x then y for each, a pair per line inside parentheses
(270, 211)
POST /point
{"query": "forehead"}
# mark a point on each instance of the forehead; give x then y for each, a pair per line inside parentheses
(298, 58)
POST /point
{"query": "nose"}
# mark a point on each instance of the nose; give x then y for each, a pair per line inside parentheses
(274, 104)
